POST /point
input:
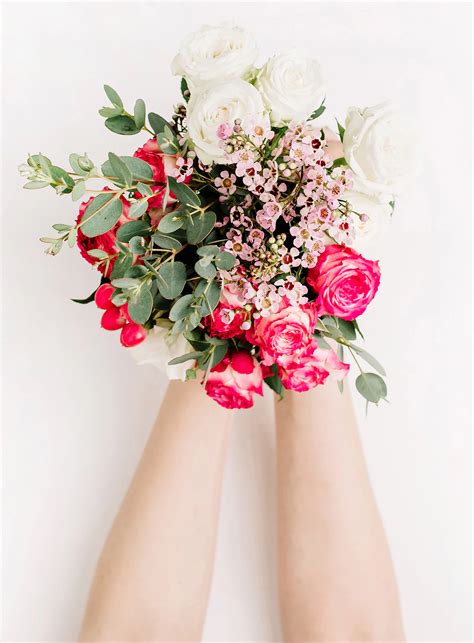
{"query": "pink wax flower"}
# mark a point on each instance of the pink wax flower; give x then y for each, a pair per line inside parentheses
(224, 131)
(344, 281)
(233, 382)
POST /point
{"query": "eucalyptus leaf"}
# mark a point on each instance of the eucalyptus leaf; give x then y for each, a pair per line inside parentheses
(97, 253)
(138, 209)
(101, 214)
(205, 251)
(170, 222)
(35, 185)
(120, 170)
(200, 226)
(123, 125)
(72, 237)
(123, 262)
(194, 355)
(370, 359)
(183, 193)
(181, 308)
(140, 305)
(347, 328)
(171, 279)
(205, 269)
(225, 260)
(371, 386)
(78, 190)
(113, 97)
(157, 123)
(139, 113)
(140, 170)
(131, 229)
(137, 245)
(125, 282)
(209, 292)
(166, 241)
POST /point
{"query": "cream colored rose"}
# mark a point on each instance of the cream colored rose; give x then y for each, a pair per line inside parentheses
(292, 87)
(221, 102)
(379, 148)
(159, 347)
(215, 53)
(372, 214)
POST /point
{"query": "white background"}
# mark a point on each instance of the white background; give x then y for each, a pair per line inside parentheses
(78, 410)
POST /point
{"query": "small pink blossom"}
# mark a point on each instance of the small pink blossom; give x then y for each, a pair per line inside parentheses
(224, 131)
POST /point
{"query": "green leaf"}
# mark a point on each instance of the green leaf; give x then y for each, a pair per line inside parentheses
(140, 170)
(205, 269)
(136, 272)
(341, 130)
(123, 125)
(184, 88)
(166, 241)
(322, 343)
(181, 308)
(370, 359)
(145, 190)
(317, 112)
(138, 209)
(101, 214)
(35, 185)
(113, 97)
(183, 193)
(132, 229)
(140, 305)
(123, 262)
(157, 123)
(120, 170)
(87, 300)
(205, 251)
(218, 353)
(167, 141)
(338, 162)
(73, 162)
(199, 226)
(109, 112)
(185, 358)
(225, 260)
(97, 253)
(72, 237)
(137, 245)
(171, 279)
(125, 282)
(60, 176)
(61, 227)
(78, 190)
(347, 328)
(139, 113)
(274, 381)
(210, 291)
(170, 223)
(371, 386)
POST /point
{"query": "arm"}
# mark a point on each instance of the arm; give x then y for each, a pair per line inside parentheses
(153, 578)
(336, 577)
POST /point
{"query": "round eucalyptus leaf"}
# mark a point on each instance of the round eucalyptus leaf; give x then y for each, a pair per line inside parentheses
(122, 125)
(140, 305)
(166, 241)
(171, 279)
(371, 386)
(210, 292)
(137, 245)
(205, 269)
(199, 226)
(225, 260)
(101, 214)
(131, 229)
(181, 308)
(170, 223)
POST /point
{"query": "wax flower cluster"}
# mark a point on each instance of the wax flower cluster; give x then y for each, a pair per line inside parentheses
(230, 243)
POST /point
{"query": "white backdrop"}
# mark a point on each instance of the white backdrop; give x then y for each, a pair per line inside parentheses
(78, 411)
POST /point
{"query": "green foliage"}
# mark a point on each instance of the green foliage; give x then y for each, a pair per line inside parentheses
(209, 293)
(120, 170)
(318, 112)
(170, 223)
(113, 96)
(139, 169)
(124, 125)
(372, 387)
(101, 214)
(157, 123)
(341, 130)
(167, 141)
(182, 308)
(183, 193)
(199, 226)
(87, 300)
(205, 268)
(274, 381)
(139, 113)
(171, 279)
(140, 304)
(166, 241)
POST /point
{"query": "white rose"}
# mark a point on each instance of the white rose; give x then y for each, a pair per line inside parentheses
(292, 87)
(379, 147)
(215, 53)
(377, 210)
(217, 103)
(159, 348)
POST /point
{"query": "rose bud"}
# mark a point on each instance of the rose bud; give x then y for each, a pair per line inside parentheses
(132, 334)
(113, 319)
(103, 296)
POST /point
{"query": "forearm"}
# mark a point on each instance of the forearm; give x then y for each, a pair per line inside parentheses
(154, 575)
(336, 576)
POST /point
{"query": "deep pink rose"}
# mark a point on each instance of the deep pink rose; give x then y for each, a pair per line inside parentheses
(163, 165)
(344, 281)
(234, 380)
(310, 368)
(105, 242)
(227, 318)
(286, 332)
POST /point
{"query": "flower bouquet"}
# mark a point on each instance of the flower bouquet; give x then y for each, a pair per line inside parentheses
(227, 242)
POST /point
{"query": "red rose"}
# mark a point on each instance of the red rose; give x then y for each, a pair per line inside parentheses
(286, 332)
(105, 242)
(344, 281)
(310, 368)
(227, 318)
(234, 380)
(162, 165)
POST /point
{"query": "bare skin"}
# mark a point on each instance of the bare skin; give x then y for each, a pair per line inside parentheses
(154, 575)
(336, 578)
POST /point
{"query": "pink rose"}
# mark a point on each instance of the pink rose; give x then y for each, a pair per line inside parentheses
(287, 332)
(227, 318)
(163, 165)
(234, 380)
(105, 242)
(344, 281)
(311, 368)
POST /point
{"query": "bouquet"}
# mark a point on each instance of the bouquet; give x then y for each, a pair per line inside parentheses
(228, 242)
